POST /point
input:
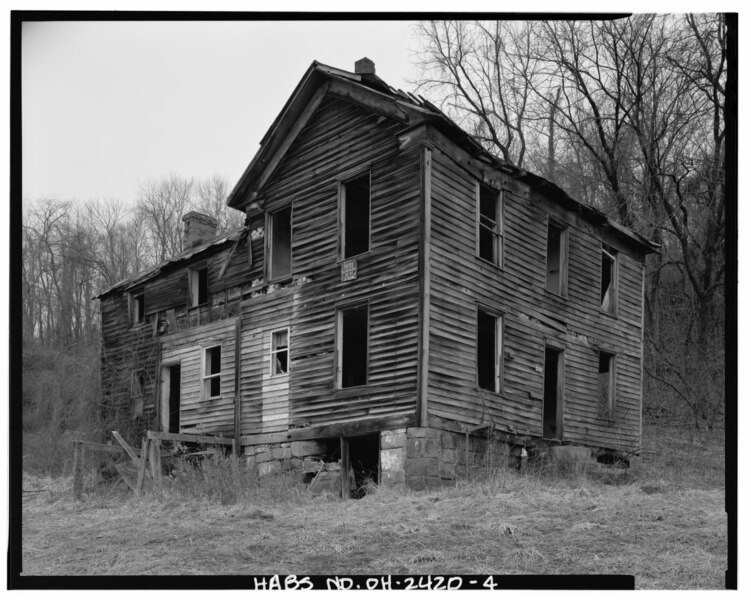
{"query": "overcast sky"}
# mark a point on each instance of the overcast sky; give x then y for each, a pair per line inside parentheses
(109, 105)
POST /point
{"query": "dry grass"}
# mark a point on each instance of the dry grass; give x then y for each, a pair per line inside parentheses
(663, 523)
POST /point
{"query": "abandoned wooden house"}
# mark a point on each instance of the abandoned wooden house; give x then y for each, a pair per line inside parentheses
(396, 293)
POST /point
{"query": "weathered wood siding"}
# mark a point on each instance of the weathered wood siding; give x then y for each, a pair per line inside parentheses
(339, 138)
(532, 316)
(125, 351)
(197, 413)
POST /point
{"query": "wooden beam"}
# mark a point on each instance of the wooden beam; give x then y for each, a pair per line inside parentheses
(238, 396)
(426, 166)
(127, 447)
(189, 437)
(334, 430)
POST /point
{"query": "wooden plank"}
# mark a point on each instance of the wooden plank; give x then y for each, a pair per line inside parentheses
(128, 449)
(142, 468)
(188, 437)
(332, 431)
(155, 459)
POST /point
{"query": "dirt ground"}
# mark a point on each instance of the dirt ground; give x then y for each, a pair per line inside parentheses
(665, 527)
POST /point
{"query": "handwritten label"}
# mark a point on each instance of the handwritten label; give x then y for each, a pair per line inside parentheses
(349, 269)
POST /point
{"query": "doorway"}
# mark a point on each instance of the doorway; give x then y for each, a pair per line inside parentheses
(552, 408)
(171, 398)
(361, 460)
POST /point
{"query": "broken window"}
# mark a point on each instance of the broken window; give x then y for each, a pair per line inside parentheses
(137, 308)
(606, 384)
(280, 352)
(280, 244)
(212, 372)
(489, 336)
(198, 286)
(489, 225)
(352, 346)
(355, 215)
(608, 281)
(557, 259)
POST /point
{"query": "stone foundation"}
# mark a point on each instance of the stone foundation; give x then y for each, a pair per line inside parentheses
(418, 457)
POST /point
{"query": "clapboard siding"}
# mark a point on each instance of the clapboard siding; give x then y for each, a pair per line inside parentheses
(199, 414)
(339, 138)
(532, 317)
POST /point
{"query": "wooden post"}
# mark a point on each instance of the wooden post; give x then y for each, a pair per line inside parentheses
(344, 450)
(142, 467)
(78, 451)
(155, 460)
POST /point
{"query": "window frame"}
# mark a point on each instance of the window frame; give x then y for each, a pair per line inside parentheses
(273, 353)
(498, 231)
(338, 345)
(609, 412)
(271, 217)
(612, 255)
(194, 272)
(137, 300)
(206, 379)
(563, 231)
(342, 212)
(498, 374)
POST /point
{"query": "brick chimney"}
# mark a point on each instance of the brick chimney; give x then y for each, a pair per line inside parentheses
(198, 228)
(365, 66)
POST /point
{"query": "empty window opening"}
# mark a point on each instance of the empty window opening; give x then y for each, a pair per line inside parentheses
(198, 281)
(488, 351)
(137, 308)
(280, 243)
(606, 385)
(353, 346)
(173, 406)
(361, 463)
(552, 410)
(280, 352)
(356, 216)
(608, 282)
(489, 226)
(212, 372)
(556, 260)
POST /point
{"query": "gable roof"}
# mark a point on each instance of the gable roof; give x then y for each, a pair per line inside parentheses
(372, 92)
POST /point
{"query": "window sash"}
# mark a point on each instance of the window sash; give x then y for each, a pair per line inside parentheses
(489, 224)
(211, 378)
(279, 346)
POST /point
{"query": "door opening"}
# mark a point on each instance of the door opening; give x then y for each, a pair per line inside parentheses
(174, 399)
(361, 461)
(552, 408)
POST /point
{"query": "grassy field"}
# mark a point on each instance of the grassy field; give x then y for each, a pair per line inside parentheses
(664, 522)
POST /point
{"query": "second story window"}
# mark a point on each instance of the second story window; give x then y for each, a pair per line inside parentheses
(489, 224)
(198, 286)
(354, 207)
(352, 346)
(137, 301)
(280, 244)
(608, 281)
(556, 274)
